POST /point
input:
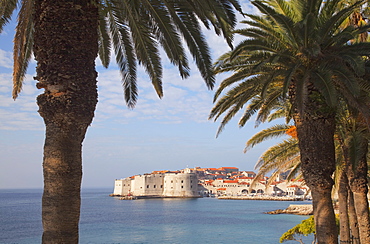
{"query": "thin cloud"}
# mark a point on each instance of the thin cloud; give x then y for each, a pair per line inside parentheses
(184, 99)
(6, 59)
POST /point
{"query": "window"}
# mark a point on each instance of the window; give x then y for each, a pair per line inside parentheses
(147, 186)
(171, 181)
(154, 186)
(182, 186)
(191, 186)
(161, 186)
(182, 181)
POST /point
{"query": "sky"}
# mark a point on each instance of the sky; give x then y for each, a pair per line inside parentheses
(171, 133)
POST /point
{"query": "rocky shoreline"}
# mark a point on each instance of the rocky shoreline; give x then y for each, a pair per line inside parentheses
(298, 209)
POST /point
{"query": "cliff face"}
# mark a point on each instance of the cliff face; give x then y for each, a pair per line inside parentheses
(298, 209)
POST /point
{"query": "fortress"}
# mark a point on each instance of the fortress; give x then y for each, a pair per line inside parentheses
(199, 182)
(159, 184)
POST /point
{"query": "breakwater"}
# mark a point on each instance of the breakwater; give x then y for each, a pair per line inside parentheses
(298, 209)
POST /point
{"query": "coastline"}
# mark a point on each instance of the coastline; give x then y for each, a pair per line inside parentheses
(133, 197)
(264, 198)
(297, 209)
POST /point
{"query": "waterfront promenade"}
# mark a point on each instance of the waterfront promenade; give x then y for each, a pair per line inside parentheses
(262, 197)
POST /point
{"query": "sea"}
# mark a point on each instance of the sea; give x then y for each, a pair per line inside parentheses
(106, 219)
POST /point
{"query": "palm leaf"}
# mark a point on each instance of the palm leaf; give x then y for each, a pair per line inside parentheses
(104, 41)
(145, 46)
(168, 37)
(7, 8)
(187, 25)
(125, 56)
(269, 133)
(23, 42)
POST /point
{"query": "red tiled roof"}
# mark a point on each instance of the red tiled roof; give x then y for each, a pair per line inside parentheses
(243, 183)
(230, 181)
(246, 178)
(295, 186)
(221, 189)
(159, 171)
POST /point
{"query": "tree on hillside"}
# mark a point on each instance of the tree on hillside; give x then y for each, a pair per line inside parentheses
(300, 47)
(65, 38)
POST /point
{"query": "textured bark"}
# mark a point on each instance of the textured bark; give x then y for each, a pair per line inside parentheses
(315, 125)
(65, 48)
(357, 177)
(355, 235)
(344, 233)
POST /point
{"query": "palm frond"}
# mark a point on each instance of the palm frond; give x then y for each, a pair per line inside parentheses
(7, 8)
(322, 79)
(167, 36)
(104, 41)
(125, 55)
(335, 21)
(269, 133)
(23, 43)
(145, 45)
(357, 146)
(187, 24)
(284, 22)
(280, 152)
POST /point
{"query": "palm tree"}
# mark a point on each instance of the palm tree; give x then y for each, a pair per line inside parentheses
(353, 138)
(299, 46)
(284, 156)
(65, 38)
(349, 138)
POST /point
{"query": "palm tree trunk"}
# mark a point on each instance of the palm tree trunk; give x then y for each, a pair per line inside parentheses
(358, 184)
(345, 234)
(355, 235)
(318, 164)
(65, 47)
(315, 129)
(362, 213)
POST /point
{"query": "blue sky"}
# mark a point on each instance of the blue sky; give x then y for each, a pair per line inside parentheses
(169, 133)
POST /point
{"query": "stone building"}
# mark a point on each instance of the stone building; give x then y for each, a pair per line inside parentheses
(179, 184)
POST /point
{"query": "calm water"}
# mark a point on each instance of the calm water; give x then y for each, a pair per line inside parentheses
(108, 220)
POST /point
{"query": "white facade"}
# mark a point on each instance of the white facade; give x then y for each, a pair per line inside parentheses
(165, 185)
(180, 185)
(147, 185)
(122, 187)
